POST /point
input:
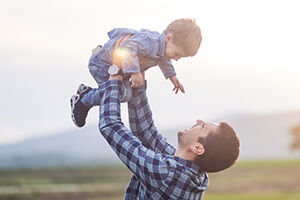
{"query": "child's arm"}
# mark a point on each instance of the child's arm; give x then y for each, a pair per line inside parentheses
(169, 72)
(136, 80)
(177, 84)
(167, 68)
(128, 61)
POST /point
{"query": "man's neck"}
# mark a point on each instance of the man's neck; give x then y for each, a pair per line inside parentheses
(184, 154)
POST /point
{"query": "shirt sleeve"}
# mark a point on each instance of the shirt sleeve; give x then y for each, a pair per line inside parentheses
(149, 168)
(130, 63)
(142, 124)
(167, 68)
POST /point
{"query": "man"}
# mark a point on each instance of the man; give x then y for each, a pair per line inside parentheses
(159, 170)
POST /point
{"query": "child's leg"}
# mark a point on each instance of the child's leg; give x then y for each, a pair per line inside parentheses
(100, 74)
(86, 96)
(92, 98)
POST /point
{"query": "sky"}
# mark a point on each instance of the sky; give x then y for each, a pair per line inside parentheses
(248, 61)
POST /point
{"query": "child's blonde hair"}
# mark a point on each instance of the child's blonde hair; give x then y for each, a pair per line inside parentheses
(187, 34)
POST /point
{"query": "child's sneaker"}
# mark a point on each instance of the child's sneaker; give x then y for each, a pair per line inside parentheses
(83, 89)
(78, 109)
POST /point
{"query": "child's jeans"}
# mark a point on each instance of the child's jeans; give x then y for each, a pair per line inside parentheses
(101, 75)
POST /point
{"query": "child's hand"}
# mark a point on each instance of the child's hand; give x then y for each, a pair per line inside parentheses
(137, 80)
(177, 84)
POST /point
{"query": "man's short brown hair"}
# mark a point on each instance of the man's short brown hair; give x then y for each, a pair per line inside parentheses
(221, 149)
(187, 34)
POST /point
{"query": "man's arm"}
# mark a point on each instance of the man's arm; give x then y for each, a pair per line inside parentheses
(148, 167)
(142, 124)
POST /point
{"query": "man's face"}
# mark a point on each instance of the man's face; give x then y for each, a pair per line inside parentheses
(173, 51)
(189, 137)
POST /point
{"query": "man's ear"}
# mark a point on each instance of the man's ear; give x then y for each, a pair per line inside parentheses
(169, 37)
(197, 148)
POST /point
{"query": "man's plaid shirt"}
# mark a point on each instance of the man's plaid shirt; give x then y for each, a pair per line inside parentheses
(157, 173)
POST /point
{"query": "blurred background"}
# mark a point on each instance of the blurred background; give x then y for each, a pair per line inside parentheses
(246, 73)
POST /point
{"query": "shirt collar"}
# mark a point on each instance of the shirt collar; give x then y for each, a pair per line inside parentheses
(193, 166)
(162, 44)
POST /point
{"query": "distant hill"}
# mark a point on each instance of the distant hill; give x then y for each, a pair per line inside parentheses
(265, 136)
(262, 137)
(73, 147)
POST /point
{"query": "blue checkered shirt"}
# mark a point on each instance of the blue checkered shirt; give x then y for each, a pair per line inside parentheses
(157, 173)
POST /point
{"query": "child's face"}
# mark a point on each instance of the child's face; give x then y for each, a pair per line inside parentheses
(172, 51)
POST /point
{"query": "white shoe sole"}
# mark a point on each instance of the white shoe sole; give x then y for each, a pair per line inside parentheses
(82, 88)
(74, 99)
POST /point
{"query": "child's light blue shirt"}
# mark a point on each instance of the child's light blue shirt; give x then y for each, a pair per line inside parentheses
(146, 49)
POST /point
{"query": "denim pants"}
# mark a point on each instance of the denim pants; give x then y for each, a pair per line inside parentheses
(100, 73)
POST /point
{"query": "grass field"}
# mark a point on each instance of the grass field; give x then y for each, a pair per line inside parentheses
(268, 180)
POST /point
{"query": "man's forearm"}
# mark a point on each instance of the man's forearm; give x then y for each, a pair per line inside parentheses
(142, 124)
(148, 167)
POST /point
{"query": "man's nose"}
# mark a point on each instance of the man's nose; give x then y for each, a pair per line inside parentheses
(199, 122)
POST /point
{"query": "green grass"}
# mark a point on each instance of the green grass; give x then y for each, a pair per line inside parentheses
(255, 180)
(269, 163)
(283, 196)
